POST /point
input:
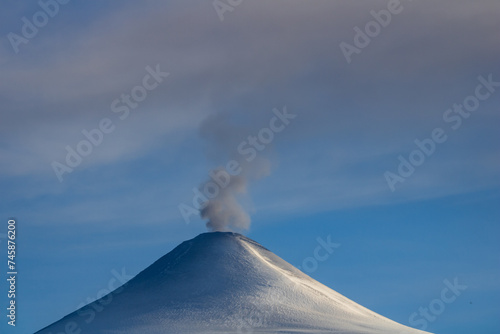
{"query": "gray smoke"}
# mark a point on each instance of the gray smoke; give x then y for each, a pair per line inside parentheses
(223, 209)
(224, 212)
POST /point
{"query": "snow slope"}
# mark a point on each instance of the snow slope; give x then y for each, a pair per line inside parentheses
(223, 283)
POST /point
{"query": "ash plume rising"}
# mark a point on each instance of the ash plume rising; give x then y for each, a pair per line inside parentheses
(227, 189)
(224, 211)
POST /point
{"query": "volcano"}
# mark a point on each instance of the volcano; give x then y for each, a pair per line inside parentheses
(224, 282)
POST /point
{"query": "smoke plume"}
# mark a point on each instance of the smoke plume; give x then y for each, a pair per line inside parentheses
(224, 211)
(225, 190)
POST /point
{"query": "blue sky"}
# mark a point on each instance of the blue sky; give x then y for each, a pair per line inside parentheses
(119, 208)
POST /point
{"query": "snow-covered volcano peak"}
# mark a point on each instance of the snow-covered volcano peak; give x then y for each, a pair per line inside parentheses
(224, 282)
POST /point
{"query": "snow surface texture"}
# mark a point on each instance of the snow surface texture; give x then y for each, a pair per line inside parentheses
(223, 282)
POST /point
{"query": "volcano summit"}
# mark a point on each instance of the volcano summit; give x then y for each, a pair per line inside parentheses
(223, 282)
